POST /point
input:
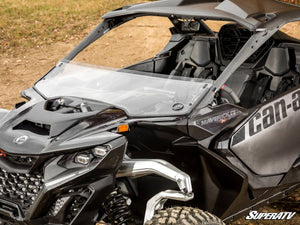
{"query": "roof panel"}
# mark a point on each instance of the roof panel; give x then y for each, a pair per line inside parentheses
(244, 12)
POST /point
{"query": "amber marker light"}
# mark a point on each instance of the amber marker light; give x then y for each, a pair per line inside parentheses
(123, 128)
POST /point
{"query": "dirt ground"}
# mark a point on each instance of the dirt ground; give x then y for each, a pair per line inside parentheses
(20, 69)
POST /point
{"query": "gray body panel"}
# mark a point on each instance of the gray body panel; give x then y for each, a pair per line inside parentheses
(269, 142)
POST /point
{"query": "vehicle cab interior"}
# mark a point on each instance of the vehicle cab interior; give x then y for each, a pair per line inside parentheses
(195, 51)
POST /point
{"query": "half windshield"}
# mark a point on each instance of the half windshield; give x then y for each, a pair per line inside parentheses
(137, 93)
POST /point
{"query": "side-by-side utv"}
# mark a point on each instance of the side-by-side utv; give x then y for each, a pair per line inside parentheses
(202, 133)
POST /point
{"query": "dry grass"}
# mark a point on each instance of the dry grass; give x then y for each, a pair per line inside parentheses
(26, 24)
(292, 29)
(30, 23)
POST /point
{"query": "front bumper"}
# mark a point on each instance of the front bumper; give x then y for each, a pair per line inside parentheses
(59, 192)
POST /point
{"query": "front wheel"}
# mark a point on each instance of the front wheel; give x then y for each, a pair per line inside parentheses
(184, 216)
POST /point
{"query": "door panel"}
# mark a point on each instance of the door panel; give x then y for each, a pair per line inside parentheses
(269, 142)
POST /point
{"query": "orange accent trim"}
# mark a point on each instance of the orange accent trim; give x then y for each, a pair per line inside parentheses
(123, 128)
(2, 153)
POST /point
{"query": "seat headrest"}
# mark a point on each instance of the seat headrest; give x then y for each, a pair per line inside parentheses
(278, 61)
(201, 53)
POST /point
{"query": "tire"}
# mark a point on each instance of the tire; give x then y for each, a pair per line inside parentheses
(184, 216)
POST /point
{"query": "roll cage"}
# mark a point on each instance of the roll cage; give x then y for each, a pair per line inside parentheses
(263, 19)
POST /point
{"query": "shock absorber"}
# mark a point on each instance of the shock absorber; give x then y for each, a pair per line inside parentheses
(117, 209)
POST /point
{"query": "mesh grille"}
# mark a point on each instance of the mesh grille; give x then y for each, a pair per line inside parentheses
(70, 203)
(21, 160)
(20, 188)
(75, 207)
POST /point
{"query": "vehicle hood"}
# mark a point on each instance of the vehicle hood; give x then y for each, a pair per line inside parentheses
(34, 129)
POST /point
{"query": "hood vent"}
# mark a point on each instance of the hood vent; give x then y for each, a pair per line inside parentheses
(37, 128)
(52, 117)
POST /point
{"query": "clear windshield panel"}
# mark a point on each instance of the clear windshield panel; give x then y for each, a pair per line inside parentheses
(137, 93)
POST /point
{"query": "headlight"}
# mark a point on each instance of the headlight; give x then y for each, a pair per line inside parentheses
(84, 159)
(100, 151)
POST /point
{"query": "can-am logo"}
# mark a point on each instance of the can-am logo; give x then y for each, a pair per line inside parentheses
(269, 115)
(274, 113)
(254, 215)
(21, 140)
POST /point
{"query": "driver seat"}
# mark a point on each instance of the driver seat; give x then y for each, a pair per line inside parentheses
(195, 60)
